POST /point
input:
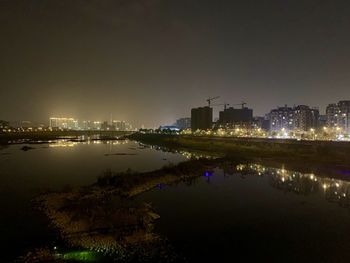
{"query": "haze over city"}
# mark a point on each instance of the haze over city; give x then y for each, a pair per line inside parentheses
(174, 131)
(150, 62)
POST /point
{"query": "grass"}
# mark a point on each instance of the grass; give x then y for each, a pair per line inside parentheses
(283, 150)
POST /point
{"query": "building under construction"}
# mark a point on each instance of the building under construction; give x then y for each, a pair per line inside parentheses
(201, 118)
(236, 116)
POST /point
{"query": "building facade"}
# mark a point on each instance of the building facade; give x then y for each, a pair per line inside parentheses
(261, 123)
(201, 118)
(298, 118)
(338, 115)
(281, 118)
(64, 123)
(305, 118)
(332, 112)
(236, 116)
(183, 123)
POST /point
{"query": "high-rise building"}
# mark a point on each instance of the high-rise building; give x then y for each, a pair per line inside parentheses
(332, 112)
(121, 125)
(344, 118)
(236, 116)
(96, 125)
(105, 126)
(305, 118)
(201, 118)
(64, 123)
(281, 118)
(183, 123)
(338, 115)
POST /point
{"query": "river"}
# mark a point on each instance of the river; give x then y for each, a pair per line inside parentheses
(241, 212)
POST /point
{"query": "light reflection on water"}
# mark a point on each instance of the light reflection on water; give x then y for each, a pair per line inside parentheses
(334, 190)
(215, 207)
(274, 214)
(56, 166)
(87, 141)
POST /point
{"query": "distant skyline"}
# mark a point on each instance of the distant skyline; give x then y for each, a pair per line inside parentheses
(149, 62)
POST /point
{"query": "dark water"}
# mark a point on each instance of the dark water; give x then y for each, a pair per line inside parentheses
(241, 213)
(24, 174)
(256, 213)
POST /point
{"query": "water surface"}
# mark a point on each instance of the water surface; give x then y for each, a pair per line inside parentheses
(256, 213)
(244, 211)
(57, 166)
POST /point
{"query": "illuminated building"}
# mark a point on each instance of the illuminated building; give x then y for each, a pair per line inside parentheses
(96, 125)
(64, 123)
(89, 125)
(201, 118)
(105, 126)
(344, 118)
(121, 126)
(183, 123)
(305, 118)
(170, 128)
(332, 112)
(281, 119)
(338, 115)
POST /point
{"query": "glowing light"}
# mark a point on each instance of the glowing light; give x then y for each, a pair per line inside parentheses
(86, 256)
(207, 174)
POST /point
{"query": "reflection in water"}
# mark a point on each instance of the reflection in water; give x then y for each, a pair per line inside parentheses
(71, 164)
(335, 190)
(85, 141)
(98, 220)
(301, 183)
(63, 143)
(195, 155)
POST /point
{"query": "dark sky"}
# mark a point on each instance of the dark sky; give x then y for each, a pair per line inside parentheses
(150, 61)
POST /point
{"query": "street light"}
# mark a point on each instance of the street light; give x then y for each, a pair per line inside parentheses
(313, 133)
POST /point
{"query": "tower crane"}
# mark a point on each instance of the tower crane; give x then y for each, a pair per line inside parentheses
(221, 104)
(242, 104)
(210, 99)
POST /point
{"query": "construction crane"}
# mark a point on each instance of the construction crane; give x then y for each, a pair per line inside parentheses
(210, 99)
(221, 104)
(242, 104)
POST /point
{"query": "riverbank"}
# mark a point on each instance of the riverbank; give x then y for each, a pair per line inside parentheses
(320, 152)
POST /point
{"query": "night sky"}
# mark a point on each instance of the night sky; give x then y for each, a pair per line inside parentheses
(150, 61)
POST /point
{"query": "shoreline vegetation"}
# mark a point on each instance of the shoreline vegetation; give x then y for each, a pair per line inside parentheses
(277, 150)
